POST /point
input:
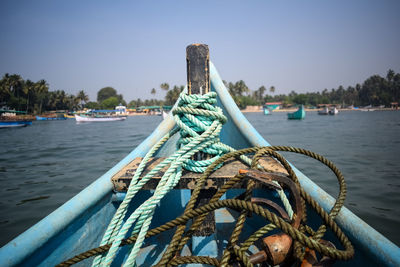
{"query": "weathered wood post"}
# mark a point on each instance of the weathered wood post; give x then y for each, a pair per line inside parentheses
(198, 82)
(198, 69)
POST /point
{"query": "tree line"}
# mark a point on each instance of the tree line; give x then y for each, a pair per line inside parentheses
(35, 97)
(375, 90)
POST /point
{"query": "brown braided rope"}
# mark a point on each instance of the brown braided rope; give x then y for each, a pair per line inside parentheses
(201, 212)
(193, 259)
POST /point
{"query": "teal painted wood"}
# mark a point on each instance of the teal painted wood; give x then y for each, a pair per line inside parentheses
(39, 118)
(267, 111)
(298, 114)
(79, 224)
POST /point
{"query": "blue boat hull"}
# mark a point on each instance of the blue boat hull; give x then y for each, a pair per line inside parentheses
(10, 124)
(79, 224)
(39, 118)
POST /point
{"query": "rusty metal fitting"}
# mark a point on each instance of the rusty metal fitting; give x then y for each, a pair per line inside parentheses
(311, 260)
(277, 247)
(276, 250)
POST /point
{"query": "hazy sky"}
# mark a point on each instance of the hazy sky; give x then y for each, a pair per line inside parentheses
(134, 46)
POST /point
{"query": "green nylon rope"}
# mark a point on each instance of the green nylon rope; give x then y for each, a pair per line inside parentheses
(199, 123)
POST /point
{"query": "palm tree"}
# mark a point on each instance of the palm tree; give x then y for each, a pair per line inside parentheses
(272, 89)
(261, 92)
(164, 86)
(5, 89)
(241, 87)
(82, 97)
(41, 88)
(16, 84)
(173, 95)
(390, 75)
(28, 90)
(73, 102)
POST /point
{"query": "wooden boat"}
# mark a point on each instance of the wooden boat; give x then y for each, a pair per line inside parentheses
(323, 111)
(10, 119)
(90, 118)
(79, 224)
(41, 118)
(333, 111)
(69, 116)
(267, 111)
(14, 123)
(298, 114)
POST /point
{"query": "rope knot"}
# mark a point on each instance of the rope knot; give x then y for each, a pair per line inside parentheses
(199, 118)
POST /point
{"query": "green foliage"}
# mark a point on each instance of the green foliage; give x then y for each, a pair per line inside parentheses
(376, 90)
(173, 95)
(92, 105)
(110, 103)
(35, 97)
(105, 93)
(164, 86)
(243, 101)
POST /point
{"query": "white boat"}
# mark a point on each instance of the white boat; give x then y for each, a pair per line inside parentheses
(323, 111)
(85, 118)
(333, 111)
(164, 114)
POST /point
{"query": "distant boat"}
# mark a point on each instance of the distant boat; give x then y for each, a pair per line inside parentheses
(333, 111)
(98, 118)
(16, 123)
(40, 118)
(69, 116)
(297, 115)
(9, 118)
(323, 111)
(267, 111)
(164, 114)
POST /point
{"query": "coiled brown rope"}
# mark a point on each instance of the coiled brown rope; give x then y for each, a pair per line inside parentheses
(180, 238)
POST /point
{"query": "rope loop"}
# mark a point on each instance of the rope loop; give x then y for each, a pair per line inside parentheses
(195, 114)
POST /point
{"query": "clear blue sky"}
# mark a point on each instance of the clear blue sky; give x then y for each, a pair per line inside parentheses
(134, 46)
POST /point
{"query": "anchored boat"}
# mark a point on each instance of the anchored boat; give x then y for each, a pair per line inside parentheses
(14, 123)
(299, 114)
(42, 118)
(10, 119)
(158, 200)
(267, 111)
(100, 116)
(333, 111)
(323, 111)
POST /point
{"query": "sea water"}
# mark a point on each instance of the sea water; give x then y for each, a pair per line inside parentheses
(45, 164)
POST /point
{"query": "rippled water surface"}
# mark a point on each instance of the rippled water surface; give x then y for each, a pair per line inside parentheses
(44, 165)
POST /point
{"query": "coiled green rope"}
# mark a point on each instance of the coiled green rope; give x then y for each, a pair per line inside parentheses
(199, 122)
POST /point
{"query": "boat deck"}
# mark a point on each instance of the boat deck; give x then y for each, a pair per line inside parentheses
(122, 179)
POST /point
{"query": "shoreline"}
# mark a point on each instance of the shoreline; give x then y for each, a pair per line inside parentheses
(316, 110)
